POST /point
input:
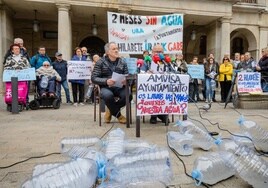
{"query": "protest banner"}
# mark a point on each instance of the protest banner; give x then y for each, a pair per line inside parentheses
(162, 94)
(196, 71)
(131, 65)
(249, 82)
(22, 74)
(134, 33)
(79, 70)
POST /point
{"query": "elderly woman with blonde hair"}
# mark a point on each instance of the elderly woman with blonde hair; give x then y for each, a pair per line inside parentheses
(47, 79)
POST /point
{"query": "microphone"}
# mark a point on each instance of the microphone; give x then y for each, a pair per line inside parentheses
(140, 63)
(156, 59)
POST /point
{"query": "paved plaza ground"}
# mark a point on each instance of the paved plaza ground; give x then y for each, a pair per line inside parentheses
(35, 133)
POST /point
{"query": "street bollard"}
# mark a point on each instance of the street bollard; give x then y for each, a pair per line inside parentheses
(15, 104)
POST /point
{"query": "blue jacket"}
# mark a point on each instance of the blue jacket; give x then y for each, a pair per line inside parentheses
(38, 60)
(76, 58)
(61, 68)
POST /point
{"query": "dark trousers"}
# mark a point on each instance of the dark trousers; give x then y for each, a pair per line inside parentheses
(193, 90)
(78, 88)
(225, 87)
(108, 94)
(50, 88)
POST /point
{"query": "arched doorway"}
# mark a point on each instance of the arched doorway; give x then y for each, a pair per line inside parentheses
(243, 40)
(95, 45)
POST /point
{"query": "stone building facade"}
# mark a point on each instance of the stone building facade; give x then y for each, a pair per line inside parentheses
(220, 26)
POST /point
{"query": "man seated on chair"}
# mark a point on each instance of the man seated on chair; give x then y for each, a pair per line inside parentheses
(102, 74)
(47, 76)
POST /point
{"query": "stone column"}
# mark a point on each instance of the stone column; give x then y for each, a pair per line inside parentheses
(6, 37)
(263, 40)
(64, 31)
(225, 36)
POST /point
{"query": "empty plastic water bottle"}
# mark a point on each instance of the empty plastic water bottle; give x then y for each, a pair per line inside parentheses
(152, 154)
(146, 170)
(243, 139)
(200, 137)
(249, 166)
(136, 146)
(146, 184)
(211, 168)
(257, 133)
(111, 184)
(184, 125)
(115, 143)
(68, 142)
(80, 173)
(39, 169)
(181, 143)
(226, 145)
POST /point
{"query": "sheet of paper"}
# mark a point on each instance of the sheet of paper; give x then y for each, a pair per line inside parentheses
(153, 68)
(118, 78)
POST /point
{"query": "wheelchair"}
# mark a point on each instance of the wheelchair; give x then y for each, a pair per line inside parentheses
(44, 101)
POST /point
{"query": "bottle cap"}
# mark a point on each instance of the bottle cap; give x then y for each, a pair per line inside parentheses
(197, 175)
(218, 141)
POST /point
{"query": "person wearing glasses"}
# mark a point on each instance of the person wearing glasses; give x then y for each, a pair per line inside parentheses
(157, 49)
(78, 85)
(47, 77)
(225, 77)
(262, 67)
(248, 65)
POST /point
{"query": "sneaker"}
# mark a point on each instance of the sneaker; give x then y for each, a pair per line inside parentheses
(206, 101)
(81, 104)
(122, 119)
(75, 104)
(107, 116)
(214, 100)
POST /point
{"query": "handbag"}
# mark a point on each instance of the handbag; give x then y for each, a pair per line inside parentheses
(43, 82)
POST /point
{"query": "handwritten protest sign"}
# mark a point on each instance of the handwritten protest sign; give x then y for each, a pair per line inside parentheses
(131, 65)
(80, 70)
(162, 94)
(249, 82)
(23, 74)
(196, 71)
(134, 33)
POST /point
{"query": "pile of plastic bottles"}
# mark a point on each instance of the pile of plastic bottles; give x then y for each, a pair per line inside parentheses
(234, 156)
(115, 162)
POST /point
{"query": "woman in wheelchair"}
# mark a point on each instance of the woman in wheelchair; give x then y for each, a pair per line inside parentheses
(47, 77)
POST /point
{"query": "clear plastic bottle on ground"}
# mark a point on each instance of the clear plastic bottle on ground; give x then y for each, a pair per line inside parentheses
(257, 133)
(136, 146)
(226, 145)
(80, 173)
(250, 167)
(152, 154)
(243, 139)
(146, 170)
(181, 143)
(115, 143)
(39, 169)
(200, 137)
(211, 168)
(85, 141)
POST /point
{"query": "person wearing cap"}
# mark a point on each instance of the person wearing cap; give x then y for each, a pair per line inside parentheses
(23, 50)
(60, 66)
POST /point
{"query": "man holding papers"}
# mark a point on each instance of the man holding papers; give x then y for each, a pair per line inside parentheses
(109, 73)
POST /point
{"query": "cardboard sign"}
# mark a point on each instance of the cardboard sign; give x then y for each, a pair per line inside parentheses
(131, 65)
(79, 70)
(162, 94)
(196, 71)
(134, 33)
(249, 82)
(23, 74)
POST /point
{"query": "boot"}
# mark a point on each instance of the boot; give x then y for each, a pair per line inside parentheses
(122, 119)
(107, 116)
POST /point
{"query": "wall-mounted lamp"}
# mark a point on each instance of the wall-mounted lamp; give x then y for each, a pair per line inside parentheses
(94, 26)
(35, 22)
(193, 34)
